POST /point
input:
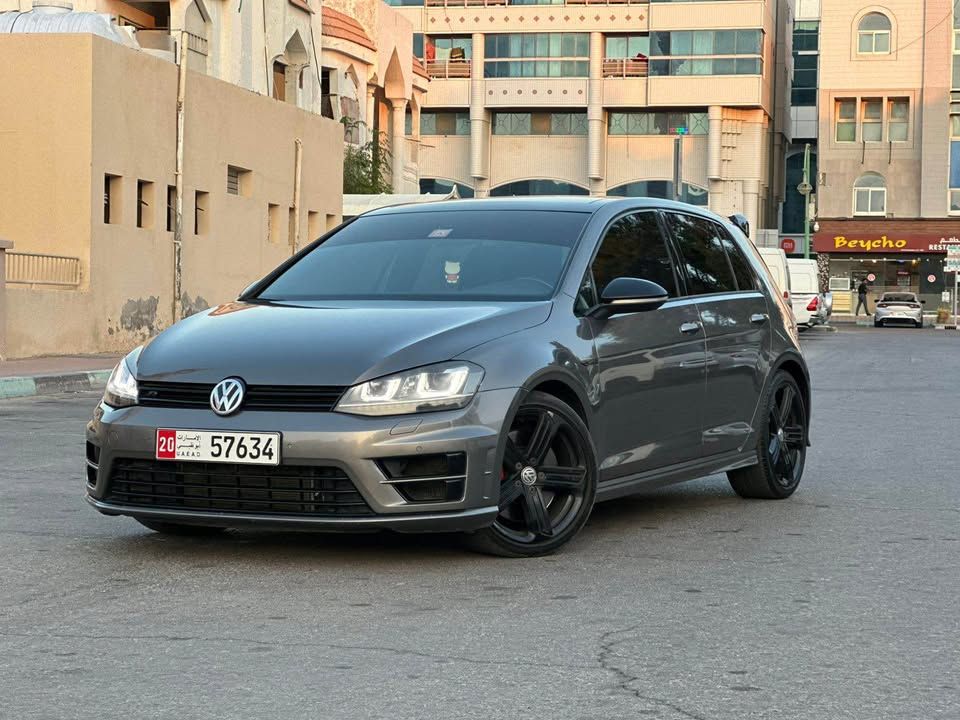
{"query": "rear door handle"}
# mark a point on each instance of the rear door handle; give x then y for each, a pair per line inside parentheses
(688, 328)
(758, 318)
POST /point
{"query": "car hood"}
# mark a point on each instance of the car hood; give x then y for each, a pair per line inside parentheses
(326, 343)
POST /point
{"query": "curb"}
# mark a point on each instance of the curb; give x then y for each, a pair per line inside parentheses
(18, 387)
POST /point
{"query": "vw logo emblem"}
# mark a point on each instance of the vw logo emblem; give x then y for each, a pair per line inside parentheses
(528, 475)
(227, 395)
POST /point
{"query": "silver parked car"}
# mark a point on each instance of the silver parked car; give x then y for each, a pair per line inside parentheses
(898, 308)
(484, 366)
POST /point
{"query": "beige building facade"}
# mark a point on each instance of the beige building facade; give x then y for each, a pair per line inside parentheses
(587, 98)
(88, 193)
(888, 181)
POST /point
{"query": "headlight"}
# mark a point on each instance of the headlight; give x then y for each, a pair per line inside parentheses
(122, 386)
(435, 387)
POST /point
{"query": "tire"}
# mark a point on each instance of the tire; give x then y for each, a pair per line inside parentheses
(877, 323)
(781, 447)
(919, 325)
(181, 529)
(548, 481)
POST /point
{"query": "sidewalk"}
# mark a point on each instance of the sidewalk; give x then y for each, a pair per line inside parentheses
(48, 375)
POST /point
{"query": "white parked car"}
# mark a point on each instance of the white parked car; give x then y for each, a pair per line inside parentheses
(810, 306)
(776, 260)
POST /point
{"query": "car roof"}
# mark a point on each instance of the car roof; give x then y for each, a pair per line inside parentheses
(555, 203)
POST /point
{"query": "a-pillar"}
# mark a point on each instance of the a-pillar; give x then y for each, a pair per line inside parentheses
(479, 122)
(751, 204)
(596, 128)
(398, 116)
(715, 159)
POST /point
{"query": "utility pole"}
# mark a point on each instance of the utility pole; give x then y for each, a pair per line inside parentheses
(178, 190)
(805, 188)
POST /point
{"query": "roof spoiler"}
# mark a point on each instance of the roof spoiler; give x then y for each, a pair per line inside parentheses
(741, 222)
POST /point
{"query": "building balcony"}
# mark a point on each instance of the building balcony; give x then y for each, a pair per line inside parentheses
(625, 68)
(501, 3)
(448, 68)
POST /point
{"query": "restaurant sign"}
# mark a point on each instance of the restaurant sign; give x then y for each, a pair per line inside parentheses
(825, 243)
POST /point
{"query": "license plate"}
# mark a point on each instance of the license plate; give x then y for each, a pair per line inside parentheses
(217, 446)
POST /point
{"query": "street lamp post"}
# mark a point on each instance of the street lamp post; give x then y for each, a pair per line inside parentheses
(805, 188)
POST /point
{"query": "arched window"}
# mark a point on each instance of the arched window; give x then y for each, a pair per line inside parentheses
(662, 189)
(439, 186)
(873, 34)
(538, 187)
(870, 195)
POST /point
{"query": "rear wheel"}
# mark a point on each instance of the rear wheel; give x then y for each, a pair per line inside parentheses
(183, 529)
(548, 481)
(782, 446)
(877, 323)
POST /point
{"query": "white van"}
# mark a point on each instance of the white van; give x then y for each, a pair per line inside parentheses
(810, 307)
(776, 260)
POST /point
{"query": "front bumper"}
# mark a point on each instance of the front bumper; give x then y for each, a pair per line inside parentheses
(353, 444)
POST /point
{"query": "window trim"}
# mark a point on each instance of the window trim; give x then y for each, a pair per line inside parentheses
(750, 269)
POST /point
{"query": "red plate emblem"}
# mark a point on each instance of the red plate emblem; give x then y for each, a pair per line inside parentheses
(166, 444)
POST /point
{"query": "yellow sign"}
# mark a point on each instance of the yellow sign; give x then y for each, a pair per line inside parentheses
(883, 243)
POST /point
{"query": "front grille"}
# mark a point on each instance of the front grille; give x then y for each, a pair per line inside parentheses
(304, 398)
(253, 489)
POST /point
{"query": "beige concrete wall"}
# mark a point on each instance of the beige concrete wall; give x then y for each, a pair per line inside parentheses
(630, 159)
(45, 184)
(123, 122)
(515, 157)
(447, 157)
(918, 68)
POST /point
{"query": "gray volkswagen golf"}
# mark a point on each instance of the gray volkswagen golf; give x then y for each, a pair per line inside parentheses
(492, 367)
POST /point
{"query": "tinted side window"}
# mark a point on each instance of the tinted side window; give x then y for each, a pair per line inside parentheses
(634, 247)
(746, 280)
(704, 259)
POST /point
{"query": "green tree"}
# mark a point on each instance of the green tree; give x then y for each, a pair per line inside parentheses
(365, 164)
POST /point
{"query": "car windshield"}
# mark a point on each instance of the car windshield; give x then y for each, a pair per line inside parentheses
(899, 297)
(436, 255)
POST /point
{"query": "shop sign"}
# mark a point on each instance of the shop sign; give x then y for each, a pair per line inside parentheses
(789, 245)
(952, 263)
(931, 278)
(883, 244)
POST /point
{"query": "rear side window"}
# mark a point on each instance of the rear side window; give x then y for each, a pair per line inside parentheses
(742, 271)
(702, 254)
(634, 247)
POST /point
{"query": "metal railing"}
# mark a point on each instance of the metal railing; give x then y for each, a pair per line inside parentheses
(625, 67)
(448, 68)
(163, 38)
(501, 3)
(39, 269)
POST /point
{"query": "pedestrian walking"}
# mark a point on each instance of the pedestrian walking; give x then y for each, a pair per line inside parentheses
(862, 291)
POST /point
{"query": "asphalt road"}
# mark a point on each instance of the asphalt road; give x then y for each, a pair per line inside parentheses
(842, 602)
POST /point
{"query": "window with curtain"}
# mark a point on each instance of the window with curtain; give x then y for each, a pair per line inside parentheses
(517, 55)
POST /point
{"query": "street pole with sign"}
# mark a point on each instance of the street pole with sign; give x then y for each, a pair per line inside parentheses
(805, 188)
(953, 265)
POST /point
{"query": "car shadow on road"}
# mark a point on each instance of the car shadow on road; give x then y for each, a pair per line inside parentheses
(650, 510)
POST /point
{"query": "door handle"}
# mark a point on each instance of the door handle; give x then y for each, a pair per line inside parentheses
(759, 318)
(688, 328)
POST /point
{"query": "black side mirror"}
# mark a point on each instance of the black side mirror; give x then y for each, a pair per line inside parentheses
(743, 225)
(627, 294)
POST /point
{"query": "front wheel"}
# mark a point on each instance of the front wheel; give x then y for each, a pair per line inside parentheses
(548, 480)
(782, 445)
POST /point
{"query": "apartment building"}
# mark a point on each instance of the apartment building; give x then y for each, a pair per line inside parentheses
(888, 182)
(587, 97)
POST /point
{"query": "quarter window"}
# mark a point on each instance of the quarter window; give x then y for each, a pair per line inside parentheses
(746, 280)
(703, 257)
(634, 247)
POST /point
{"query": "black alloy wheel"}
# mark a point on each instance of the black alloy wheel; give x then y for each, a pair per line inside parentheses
(548, 481)
(782, 445)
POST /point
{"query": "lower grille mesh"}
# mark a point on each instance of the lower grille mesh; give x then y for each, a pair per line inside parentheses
(283, 490)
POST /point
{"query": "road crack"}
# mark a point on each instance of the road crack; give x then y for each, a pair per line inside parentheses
(625, 681)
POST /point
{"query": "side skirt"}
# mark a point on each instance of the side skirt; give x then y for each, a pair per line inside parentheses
(672, 474)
